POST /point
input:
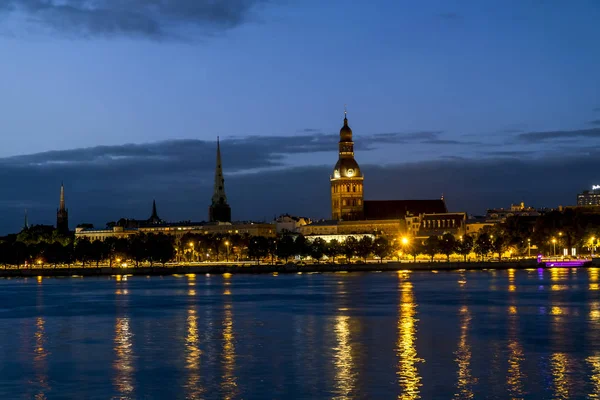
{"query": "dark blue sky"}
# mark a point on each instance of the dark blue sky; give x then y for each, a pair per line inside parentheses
(426, 82)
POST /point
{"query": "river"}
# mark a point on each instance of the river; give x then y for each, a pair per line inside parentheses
(408, 335)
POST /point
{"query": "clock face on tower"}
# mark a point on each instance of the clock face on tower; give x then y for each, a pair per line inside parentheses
(350, 172)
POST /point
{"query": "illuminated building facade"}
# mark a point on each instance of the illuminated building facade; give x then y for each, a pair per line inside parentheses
(589, 197)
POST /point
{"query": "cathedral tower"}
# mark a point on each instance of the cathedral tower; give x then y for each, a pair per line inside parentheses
(347, 180)
(62, 214)
(219, 210)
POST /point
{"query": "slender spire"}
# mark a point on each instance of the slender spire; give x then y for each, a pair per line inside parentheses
(219, 196)
(154, 213)
(345, 116)
(62, 196)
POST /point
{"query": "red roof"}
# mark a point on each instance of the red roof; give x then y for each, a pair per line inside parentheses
(399, 209)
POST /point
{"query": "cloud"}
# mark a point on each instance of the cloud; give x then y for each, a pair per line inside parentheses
(110, 182)
(595, 122)
(156, 19)
(532, 137)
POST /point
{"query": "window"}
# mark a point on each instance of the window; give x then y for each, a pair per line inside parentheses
(343, 202)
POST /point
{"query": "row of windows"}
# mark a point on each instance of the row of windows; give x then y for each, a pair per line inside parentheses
(346, 189)
(347, 202)
(444, 223)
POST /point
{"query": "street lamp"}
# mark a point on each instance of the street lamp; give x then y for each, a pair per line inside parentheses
(227, 247)
(528, 247)
(554, 243)
(593, 245)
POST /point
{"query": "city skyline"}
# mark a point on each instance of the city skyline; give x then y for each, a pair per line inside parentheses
(505, 126)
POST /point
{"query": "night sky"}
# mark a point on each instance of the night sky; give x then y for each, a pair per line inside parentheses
(488, 102)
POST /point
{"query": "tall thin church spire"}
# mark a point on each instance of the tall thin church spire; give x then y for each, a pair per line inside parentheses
(219, 210)
(219, 196)
(62, 197)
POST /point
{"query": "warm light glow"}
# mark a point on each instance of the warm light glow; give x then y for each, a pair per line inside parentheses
(345, 376)
(191, 244)
(229, 380)
(227, 243)
(118, 260)
(408, 373)
(123, 365)
(192, 342)
(405, 240)
(465, 382)
(553, 240)
(39, 261)
(226, 275)
(39, 361)
(559, 366)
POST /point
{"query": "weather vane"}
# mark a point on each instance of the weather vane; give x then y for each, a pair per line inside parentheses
(345, 111)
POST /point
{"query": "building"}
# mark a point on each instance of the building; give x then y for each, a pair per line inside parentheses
(499, 215)
(426, 225)
(62, 214)
(219, 210)
(347, 180)
(589, 197)
(289, 224)
(219, 215)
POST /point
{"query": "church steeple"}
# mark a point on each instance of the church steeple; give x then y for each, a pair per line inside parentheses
(62, 214)
(219, 210)
(154, 218)
(26, 223)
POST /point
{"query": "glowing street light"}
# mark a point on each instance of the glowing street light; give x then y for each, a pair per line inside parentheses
(227, 248)
(554, 243)
(404, 241)
(528, 247)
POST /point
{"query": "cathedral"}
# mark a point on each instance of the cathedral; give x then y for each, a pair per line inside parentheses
(352, 214)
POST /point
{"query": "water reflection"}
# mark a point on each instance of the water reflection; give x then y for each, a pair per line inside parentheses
(559, 367)
(228, 380)
(123, 364)
(515, 376)
(466, 381)
(594, 363)
(343, 353)
(345, 376)
(408, 374)
(40, 359)
(193, 354)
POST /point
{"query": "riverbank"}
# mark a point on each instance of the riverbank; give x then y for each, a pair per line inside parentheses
(269, 269)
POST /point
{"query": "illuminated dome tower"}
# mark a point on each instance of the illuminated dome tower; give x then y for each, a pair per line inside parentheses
(347, 180)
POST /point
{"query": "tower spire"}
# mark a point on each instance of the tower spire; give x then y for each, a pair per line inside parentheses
(219, 210)
(154, 213)
(345, 115)
(62, 196)
(219, 196)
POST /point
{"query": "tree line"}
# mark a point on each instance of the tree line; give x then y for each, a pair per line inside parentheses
(516, 237)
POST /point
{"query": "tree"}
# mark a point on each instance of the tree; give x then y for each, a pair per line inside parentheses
(483, 245)
(161, 248)
(83, 250)
(465, 246)
(98, 252)
(432, 246)
(499, 244)
(334, 249)
(285, 247)
(364, 248)
(415, 248)
(350, 248)
(257, 248)
(301, 246)
(272, 249)
(382, 248)
(138, 250)
(447, 245)
(317, 249)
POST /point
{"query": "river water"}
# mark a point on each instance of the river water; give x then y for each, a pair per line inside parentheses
(483, 334)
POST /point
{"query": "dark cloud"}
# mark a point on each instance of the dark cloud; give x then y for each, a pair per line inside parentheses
(147, 18)
(107, 183)
(595, 122)
(532, 137)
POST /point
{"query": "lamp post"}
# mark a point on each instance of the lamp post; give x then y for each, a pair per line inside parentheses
(554, 244)
(192, 247)
(593, 244)
(528, 247)
(227, 250)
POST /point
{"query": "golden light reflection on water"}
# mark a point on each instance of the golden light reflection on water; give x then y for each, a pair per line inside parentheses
(465, 380)
(40, 359)
(228, 380)
(559, 367)
(515, 376)
(345, 376)
(123, 364)
(594, 363)
(193, 353)
(408, 374)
